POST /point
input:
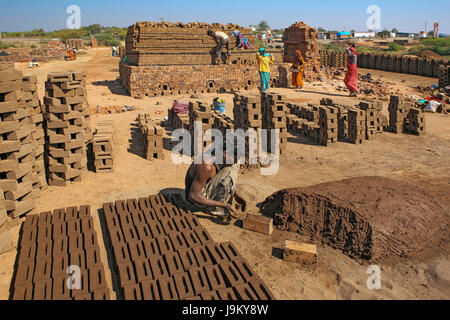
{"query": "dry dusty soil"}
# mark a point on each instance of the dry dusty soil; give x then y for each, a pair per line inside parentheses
(422, 161)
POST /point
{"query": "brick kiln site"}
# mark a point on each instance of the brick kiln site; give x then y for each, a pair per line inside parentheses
(87, 177)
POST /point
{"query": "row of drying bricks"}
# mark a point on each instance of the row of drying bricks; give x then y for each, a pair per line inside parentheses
(50, 243)
(176, 259)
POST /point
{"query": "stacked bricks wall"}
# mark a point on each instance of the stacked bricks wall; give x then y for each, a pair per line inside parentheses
(103, 147)
(201, 118)
(398, 114)
(392, 63)
(356, 126)
(49, 244)
(6, 241)
(300, 36)
(75, 43)
(274, 108)
(303, 120)
(152, 135)
(416, 121)
(19, 168)
(328, 122)
(67, 125)
(161, 252)
(175, 58)
(374, 122)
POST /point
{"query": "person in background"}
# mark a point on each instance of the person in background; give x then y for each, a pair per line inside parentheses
(222, 41)
(351, 79)
(264, 60)
(241, 41)
(298, 67)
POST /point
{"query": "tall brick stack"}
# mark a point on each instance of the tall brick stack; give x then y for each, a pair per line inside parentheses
(274, 108)
(152, 135)
(398, 114)
(17, 150)
(416, 121)
(356, 126)
(300, 36)
(202, 113)
(103, 147)
(67, 123)
(328, 122)
(374, 123)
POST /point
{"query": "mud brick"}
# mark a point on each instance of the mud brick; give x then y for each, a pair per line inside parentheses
(202, 256)
(143, 270)
(216, 253)
(59, 230)
(260, 290)
(78, 258)
(156, 229)
(192, 221)
(209, 296)
(144, 203)
(126, 274)
(188, 259)
(245, 270)
(226, 294)
(29, 236)
(44, 233)
(27, 253)
(44, 249)
(125, 219)
(167, 289)
(299, 252)
(121, 253)
(173, 263)
(151, 248)
(116, 235)
(181, 224)
(159, 267)
(42, 270)
(137, 251)
(132, 292)
(150, 215)
(97, 278)
(121, 206)
(9, 146)
(199, 280)
(231, 275)
(60, 246)
(45, 218)
(138, 217)
(169, 226)
(132, 205)
(143, 232)
(58, 77)
(244, 292)
(161, 213)
(93, 258)
(75, 242)
(43, 290)
(23, 292)
(10, 86)
(203, 236)
(60, 264)
(87, 224)
(129, 233)
(157, 201)
(90, 240)
(112, 221)
(84, 212)
(178, 241)
(73, 227)
(72, 213)
(150, 290)
(231, 251)
(215, 278)
(101, 294)
(173, 211)
(258, 224)
(183, 286)
(192, 238)
(8, 107)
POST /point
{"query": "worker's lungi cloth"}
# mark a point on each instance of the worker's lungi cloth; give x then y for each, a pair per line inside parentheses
(351, 79)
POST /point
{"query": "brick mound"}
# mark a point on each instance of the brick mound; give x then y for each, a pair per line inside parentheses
(368, 217)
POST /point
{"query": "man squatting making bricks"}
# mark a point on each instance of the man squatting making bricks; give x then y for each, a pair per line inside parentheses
(211, 185)
(222, 41)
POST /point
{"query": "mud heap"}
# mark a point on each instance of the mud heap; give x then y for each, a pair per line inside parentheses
(300, 36)
(368, 217)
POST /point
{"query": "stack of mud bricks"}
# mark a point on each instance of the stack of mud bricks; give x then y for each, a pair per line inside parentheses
(20, 162)
(334, 59)
(328, 122)
(398, 114)
(356, 126)
(152, 135)
(374, 123)
(416, 121)
(444, 76)
(75, 43)
(6, 242)
(200, 118)
(67, 123)
(103, 147)
(274, 108)
(178, 120)
(162, 252)
(53, 246)
(222, 122)
(342, 118)
(304, 120)
(300, 36)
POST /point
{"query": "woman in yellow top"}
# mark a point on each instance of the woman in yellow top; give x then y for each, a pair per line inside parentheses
(264, 60)
(297, 70)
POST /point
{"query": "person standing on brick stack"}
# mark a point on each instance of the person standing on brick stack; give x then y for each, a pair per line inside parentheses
(297, 70)
(241, 41)
(222, 41)
(264, 60)
(351, 79)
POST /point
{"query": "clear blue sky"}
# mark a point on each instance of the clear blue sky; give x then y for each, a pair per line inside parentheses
(405, 15)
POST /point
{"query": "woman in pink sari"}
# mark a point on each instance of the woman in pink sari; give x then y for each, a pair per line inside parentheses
(351, 79)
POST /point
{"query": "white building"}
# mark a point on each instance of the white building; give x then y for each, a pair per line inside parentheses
(364, 35)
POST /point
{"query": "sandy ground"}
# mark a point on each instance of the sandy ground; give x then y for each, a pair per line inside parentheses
(419, 160)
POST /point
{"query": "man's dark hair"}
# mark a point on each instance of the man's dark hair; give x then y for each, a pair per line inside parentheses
(210, 32)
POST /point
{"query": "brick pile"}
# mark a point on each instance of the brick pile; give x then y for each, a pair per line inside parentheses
(416, 121)
(333, 59)
(152, 135)
(374, 122)
(304, 120)
(274, 109)
(356, 126)
(75, 43)
(6, 242)
(161, 252)
(328, 122)
(202, 113)
(178, 120)
(49, 244)
(444, 75)
(20, 161)
(300, 36)
(67, 123)
(398, 114)
(103, 147)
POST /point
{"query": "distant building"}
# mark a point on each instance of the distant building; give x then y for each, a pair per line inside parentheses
(344, 35)
(364, 34)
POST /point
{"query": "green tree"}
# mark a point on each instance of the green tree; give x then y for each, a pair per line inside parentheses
(263, 26)
(95, 28)
(320, 29)
(394, 30)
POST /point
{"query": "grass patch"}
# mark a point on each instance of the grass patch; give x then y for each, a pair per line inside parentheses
(440, 46)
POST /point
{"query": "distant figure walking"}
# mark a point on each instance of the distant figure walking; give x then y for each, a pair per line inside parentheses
(298, 67)
(241, 41)
(351, 79)
(222, 41)
(264, 60)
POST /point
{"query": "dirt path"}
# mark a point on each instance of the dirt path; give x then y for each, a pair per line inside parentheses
(419, 160)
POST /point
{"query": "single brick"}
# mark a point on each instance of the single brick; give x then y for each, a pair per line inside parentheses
(126, 274)
(184, 286)
(167, 289)
(132, 292)
(150, 290)
(173, 263)
(199, 280)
